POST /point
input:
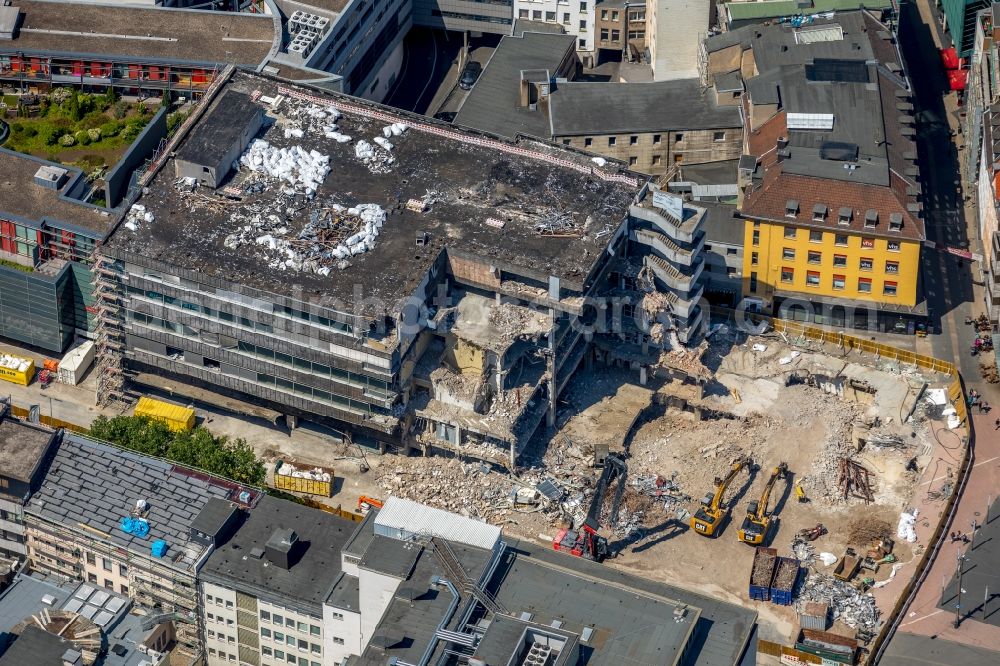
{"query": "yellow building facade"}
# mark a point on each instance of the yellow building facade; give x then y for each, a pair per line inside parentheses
(797, 260)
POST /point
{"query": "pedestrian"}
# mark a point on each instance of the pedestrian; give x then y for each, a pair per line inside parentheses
(986, 407)
(965, 538)
(998, 424)
(953, 537)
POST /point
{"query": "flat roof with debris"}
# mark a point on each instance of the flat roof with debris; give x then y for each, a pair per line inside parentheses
(30, 203)
(22, 448)
(138, 33)
(547, 213)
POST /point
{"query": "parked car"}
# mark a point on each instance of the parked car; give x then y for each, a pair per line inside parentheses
(470, 75)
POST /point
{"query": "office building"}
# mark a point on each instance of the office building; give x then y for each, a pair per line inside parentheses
(829, 194)
(25, 449)
(527, 89)
(336, 337)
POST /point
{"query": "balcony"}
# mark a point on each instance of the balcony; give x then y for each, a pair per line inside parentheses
(667, 247)
(683, 231)
(671, 276)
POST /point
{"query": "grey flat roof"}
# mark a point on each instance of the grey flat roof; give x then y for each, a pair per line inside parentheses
(22, 448)
(710, 173)
(912, 650)
(491, 105)
(23, 598)
(613, 108)
(390, 556)
(346, 593)
(472, 182)
(410, 622)
(213, 516)
(25, 199)
(522, 26)
(719, 224)
(214, 136)
(137, 33)
(554, 585)
(96, 484)
(315, 568)
(36, 647)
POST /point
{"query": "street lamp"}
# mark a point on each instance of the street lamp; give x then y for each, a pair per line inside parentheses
(958, 601)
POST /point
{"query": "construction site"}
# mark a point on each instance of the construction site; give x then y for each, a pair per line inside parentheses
(812, 451)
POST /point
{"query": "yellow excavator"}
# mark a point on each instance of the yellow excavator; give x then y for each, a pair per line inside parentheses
(712, 512)
(758, 521)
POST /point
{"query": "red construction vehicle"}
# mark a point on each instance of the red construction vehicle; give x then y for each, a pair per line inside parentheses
(586, 542)
(366, 504)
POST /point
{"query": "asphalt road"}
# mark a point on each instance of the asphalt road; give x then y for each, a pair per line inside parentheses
(947, 279)
(428, 57)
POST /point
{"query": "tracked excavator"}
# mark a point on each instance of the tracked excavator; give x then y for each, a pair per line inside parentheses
(758, 522)
(712, 512)
(586, 542)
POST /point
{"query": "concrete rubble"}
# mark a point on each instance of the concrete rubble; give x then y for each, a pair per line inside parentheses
(854, 608)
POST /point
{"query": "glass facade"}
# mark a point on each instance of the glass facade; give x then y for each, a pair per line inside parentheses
(36, 310)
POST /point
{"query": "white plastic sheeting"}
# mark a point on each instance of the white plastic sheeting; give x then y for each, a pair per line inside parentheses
(137, 214)
(303, 169)
(907, 528)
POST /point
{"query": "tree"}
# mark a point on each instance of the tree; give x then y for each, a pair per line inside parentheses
(197, 448)
(72, 107)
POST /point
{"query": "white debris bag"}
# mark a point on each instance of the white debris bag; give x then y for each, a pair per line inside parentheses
(907, 529)
(828, 559)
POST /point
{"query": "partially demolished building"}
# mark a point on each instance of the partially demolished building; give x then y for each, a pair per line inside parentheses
(388, 276)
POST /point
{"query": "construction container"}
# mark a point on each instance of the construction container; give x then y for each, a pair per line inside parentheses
(786, 574)
(176, 417)
(762, 573)
(16, 369)
(75, 363)
(814, 616)
(831, 648)
(312, 482)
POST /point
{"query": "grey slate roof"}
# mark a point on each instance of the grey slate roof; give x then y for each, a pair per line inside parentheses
(616, 108)
(96, 484)
(491, 105)
(315, 568)
(36, 647)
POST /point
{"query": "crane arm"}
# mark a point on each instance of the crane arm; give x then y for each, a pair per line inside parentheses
(778, 472)
(720, 488)
(614, 467)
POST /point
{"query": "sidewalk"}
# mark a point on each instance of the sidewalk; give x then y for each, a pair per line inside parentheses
(923, 617)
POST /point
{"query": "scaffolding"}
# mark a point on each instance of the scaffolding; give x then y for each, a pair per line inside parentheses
(109, 296)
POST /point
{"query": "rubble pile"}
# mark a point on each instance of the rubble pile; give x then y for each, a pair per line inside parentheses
(469, 489)
(515, 321)
(303, 170)
(137, 214)
(322, 244)
(824, 485)
(853, 607)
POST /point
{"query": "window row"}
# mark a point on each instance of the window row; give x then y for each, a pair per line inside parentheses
(290, 641)
(843, 240)
(288, 658)
(839, 282)
(280, 621)
(839, 260)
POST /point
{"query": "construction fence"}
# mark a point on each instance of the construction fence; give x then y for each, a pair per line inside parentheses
(22, 413)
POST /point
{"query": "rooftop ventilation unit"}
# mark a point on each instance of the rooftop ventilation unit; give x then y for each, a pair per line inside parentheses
(809, 121)
(50, 177)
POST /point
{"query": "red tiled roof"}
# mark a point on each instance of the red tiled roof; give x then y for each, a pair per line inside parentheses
(768, 199)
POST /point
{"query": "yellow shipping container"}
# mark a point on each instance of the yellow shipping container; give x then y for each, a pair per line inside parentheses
(176, 417)
(21, 374)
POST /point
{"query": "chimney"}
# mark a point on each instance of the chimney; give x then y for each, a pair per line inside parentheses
(524, 94)
(280, 548)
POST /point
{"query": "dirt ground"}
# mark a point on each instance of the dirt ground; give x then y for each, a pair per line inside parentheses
(808, 409)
